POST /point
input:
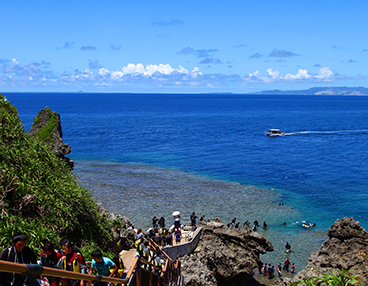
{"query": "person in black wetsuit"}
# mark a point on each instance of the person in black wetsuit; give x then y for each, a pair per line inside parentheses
(17, 253)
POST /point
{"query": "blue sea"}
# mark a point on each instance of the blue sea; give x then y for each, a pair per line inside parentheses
(151, 154)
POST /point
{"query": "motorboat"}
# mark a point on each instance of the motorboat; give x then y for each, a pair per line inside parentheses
(274, 132)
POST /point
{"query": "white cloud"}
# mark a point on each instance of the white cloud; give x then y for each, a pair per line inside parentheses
(301, 75)
(13, 74)
(324, 74)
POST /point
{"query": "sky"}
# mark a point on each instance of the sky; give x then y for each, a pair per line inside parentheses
(182, 46)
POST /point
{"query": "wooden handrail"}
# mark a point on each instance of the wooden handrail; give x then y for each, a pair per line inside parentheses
(11, 267)
(132, 268)
(156, 246)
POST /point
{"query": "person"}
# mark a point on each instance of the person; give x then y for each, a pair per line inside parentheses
(254, 228)
(287, 264)
(265, 269)
(233, 221)
(120, 264)
(151, 233)
(279, 268)
(265, 225)
(169, 238)
(287, 247)
(102, 265)
(17, 253)
(270, 271)
(161, 222)
(50, 258)
(156, 260)
(71, 261)
(193, 220)
(237, 225)
(202, 218)
(75, 249)
(139, 235)
(140, 247)
(177, 236)
(256, 223)
(177, 222)
(154, 221)
(293, 268)
(260, 266)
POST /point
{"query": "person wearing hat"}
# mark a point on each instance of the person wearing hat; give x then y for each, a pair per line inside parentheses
(17, 253)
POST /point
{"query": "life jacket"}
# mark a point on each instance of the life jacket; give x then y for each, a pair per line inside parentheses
(138, 241)
(49, 261)
(76, 267)
(157, 261)
(140, 248)
(145, 253)
(120, 264)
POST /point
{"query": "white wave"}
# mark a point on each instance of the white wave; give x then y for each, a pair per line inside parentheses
(328, 132)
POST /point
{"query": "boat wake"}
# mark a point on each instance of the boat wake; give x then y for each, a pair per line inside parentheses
(327, 132)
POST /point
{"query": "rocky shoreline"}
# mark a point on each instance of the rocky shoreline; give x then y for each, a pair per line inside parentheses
(229, 257)
(224, 256)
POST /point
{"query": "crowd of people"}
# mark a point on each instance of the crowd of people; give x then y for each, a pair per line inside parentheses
(254, 226)
(68, 258)
(270, 271)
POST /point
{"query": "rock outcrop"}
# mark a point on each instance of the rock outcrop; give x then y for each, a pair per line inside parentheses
(224, 256)
(345, 249)
(123, 238)
(47, 127)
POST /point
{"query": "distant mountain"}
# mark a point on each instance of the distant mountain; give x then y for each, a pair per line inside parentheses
(321, 91)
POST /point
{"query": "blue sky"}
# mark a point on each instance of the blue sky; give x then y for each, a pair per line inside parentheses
(182, 46)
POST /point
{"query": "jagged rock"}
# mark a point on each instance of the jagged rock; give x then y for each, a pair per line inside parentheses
(227, 255)
(47, 127)
(345, 249)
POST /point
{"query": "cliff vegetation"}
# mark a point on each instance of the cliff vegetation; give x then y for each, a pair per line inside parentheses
(39, 194)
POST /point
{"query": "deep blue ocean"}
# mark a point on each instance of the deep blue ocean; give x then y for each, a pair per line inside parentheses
(150, 154)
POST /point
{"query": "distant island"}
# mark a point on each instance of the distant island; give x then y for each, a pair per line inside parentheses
(320, 91)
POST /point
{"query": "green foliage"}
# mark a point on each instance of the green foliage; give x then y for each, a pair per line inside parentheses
(40, 196)
(46, 132)
(336, 278)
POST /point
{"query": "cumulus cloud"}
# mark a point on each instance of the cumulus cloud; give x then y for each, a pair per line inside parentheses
(67, 45)
(255, 56)
(88, 48)
(281, 53)
(94, 64)
(172, 22)
(202, 53)
(324, 75)
(13, 73)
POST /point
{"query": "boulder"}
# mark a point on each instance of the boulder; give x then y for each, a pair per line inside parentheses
(224, 256)
(47, 127)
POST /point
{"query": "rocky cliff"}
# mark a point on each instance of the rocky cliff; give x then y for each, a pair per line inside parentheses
(47, 127)
(345, 249)
(224, 256)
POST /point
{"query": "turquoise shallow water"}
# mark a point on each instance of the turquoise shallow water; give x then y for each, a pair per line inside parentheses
(141, 191)
(141, 154)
